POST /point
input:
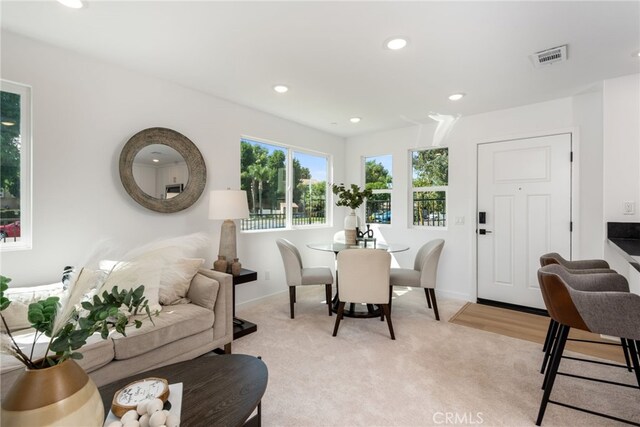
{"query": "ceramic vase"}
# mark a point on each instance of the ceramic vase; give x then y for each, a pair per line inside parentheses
(61, 395)
(236, 266)
(220, 264)
(350, 225)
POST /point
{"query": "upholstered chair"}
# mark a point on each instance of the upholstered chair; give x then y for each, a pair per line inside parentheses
(609, 313)
(364, 278)
(339, 237)
(423, 274)
(297, 275)
(556, 258)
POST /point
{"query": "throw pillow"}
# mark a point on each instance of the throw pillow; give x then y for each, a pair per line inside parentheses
(203, 291)
(176, 278)
(127, 275)
(16, 313)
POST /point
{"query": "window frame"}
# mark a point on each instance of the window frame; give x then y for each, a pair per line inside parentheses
(26, 166)
(388, 191)
(289, 151)
(435, 188)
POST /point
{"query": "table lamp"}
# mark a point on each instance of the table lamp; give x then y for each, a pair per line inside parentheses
(228, 205)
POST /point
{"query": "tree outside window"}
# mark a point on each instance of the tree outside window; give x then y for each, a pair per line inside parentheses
(265, 177)
(14, 171)
(379, 178)
(430, 179)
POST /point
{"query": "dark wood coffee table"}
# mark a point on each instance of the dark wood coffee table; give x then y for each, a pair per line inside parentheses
(218, 390)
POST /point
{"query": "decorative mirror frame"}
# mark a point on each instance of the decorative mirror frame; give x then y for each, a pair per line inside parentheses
(183, 145)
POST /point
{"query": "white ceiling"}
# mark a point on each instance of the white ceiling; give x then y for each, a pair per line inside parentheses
(332, 57)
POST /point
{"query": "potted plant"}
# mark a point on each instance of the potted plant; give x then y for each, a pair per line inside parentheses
(67, 323)
(352, 197)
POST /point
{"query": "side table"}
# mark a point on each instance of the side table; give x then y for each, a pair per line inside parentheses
(242, 327)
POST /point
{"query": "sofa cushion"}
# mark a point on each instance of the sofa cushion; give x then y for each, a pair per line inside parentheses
(173, 323)
(175, 279)
(203, 291)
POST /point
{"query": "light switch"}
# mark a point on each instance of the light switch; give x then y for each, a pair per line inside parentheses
(629, 208)
(459, 220)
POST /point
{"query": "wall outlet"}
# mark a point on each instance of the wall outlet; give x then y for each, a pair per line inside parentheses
(459, 220)
(629, 208)
(267, 275)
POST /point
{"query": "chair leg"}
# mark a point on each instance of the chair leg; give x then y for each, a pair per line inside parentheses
(635, 358)
(553, 370)
(292, 298)
(387, 313)
(435, 304)
(547, 339)
(626, 350)
(426, 292)
(327, 289)
(553, 331)
(338, 318)
(390, 297)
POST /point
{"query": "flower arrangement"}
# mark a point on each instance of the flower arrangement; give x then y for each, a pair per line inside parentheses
(352, 197)
(67, 325)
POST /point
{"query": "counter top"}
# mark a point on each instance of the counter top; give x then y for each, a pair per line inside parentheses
(625, 237)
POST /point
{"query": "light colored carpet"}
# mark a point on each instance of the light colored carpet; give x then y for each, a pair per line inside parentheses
(432, 371)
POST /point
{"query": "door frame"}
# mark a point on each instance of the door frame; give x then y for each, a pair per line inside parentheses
(573, 188)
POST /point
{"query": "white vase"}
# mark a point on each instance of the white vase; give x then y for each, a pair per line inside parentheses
(350, 224)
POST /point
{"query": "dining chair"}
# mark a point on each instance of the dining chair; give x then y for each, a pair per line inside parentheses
(364, 278)
(423, 274)
(608, 313)
(339, 237)
(297, 275)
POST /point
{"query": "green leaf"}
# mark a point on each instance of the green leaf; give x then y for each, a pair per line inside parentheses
(35, 316)
(75, 355)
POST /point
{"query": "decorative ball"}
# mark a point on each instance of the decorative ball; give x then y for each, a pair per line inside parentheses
(142, 407)
(115, 424)
(131, 423)
(157, 419)
(154, 405)
(172, 421)
(144, 420)
(131, 415)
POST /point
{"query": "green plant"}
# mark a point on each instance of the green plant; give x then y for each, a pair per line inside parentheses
(352, 197)
(68, 327)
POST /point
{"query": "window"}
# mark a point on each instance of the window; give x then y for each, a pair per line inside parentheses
(286, 188)
(378, 177)
(15, 166)
(430, 178)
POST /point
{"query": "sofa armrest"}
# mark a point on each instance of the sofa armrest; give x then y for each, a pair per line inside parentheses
(223, 309)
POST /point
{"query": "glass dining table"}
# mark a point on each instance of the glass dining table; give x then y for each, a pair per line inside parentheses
(335, 247)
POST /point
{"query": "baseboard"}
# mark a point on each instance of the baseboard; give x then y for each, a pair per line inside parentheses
(514, 307)
(454, 295)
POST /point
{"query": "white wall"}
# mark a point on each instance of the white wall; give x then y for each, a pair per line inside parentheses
(457, 266)
(84, 111)
(621, 125)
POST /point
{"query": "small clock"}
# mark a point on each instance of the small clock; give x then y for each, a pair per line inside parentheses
(129, 396)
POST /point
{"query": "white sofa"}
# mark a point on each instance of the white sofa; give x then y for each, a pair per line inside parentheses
(181, 332)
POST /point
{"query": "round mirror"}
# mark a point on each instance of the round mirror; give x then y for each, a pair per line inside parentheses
(162, 170)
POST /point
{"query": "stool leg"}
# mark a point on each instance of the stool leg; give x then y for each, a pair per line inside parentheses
(635, 359)
(553, 331)
(626, 350)
(548, 337)
(553, 370)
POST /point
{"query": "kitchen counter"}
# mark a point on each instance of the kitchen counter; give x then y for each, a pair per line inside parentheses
(625, 238)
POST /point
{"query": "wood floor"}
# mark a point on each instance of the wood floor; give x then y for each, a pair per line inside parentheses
(530, 327)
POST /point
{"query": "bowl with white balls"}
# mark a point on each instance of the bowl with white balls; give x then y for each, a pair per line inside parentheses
(148, 413)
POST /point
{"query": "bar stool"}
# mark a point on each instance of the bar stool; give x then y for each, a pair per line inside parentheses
(610, 313)
(592, 280)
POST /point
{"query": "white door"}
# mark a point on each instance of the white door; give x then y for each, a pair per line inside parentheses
(524, 191)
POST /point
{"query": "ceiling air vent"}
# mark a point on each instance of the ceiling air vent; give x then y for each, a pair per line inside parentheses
(549, 56)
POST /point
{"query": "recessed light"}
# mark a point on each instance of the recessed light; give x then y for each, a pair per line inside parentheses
(396, 43)
(155, 160)
(8, 123)
(456, 96)
(73, 4)
(355, 119)
(280, 88)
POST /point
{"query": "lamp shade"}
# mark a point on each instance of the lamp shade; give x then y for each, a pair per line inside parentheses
(228, 204)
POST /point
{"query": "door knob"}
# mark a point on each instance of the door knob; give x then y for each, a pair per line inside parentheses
(483, 231)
